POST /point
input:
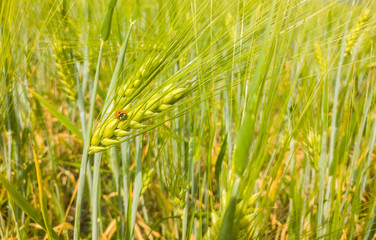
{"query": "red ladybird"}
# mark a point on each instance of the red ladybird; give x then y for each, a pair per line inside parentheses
(121, 114)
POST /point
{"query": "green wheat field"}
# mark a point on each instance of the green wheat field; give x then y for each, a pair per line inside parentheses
(187, 119)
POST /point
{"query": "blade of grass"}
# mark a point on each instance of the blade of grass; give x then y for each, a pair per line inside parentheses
(229, 216)
(62, 119)
(50, 231)
(22, 202)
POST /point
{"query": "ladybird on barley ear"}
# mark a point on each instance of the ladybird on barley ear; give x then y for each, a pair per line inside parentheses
(121, 114)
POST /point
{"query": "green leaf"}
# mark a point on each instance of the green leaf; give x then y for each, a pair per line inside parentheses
(229, 216)
(22, 202)
(41, 195)
(63, 119)
(218, 164)
(106, 26)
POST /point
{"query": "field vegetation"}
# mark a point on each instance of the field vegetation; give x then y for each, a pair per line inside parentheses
(187, 119)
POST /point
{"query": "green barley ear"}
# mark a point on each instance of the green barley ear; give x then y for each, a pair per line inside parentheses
(154, 86)
(65, 54)
(244, 217)
(312, 147)
(372, 65)
(176, 185)
(146, 179)
(148, 68)
(319, 58)
(177, 194)
(111, 132)
(355, 32)
(106, 26)
(65, 71)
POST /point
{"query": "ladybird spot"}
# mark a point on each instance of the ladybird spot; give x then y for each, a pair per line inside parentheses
(121, 114)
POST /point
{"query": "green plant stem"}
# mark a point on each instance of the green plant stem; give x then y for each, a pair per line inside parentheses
(125, 149)
(137, 185)
(95, 197)
(81, 183)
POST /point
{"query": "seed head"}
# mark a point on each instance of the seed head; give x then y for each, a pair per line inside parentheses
(355, 32)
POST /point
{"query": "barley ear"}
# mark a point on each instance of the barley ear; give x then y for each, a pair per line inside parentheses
(355, 32)
(319, 58)
(146, 179)
(243, 219)
(312, 148)
(65, 71)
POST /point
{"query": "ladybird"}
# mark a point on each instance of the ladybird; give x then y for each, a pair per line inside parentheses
(121, 114)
